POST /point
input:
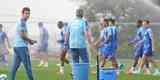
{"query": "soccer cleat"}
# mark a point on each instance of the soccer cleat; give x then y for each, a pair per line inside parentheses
(147, 72)
(46, 64)
(40, 65)
(132, 69)
(61, 69)
(136, 71)
(156, 73)
(118, 72)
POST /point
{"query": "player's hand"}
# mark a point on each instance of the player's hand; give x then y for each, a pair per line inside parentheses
(66, 45)
(32, 42)
(90, 42)
(95, 45)
(136, 45)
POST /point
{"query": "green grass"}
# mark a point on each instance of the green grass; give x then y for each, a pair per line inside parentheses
(51, 73)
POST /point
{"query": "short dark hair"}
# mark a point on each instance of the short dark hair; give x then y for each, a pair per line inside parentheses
(106, 20)
(147, 21)
(60, 24)
(113, 21)
(25, 9)
(139, 23)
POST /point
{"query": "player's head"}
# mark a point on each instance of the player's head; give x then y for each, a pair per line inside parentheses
(146, 23)
(105, 22)
(25, 13)
(1, 26)
(65, 24)
(139, 23)
(111, 22)
(79, 13)
(40, 24)
(60, 24)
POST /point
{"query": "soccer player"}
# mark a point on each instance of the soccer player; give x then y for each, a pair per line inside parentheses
(148, 47)
(21, 41)
(139, 48)
(43, 45)
(100, 42)
(63, 49)
(109, 41)
(4, 43)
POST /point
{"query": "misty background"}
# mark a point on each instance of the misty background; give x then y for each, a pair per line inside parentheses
(51, 11)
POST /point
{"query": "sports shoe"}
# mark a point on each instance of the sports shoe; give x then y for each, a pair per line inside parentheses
(41, 63)
(46, 64)
(61, 69)
(156, 73)
(136, 71)
(147, 72)
(132, 69)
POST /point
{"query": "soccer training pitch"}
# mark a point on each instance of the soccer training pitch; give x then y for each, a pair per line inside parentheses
(51, 73)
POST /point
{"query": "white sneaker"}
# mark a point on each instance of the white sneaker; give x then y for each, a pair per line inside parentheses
(136, 72)
(41, 63)
(58, 65)
(61, 70)
(156, 73)
(46, 64)
(147, 72)
(132, 69)
(118, 72)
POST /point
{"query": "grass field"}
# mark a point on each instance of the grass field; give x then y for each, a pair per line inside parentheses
(51, 73)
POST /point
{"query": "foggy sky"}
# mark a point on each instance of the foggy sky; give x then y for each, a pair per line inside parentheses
(40, 9)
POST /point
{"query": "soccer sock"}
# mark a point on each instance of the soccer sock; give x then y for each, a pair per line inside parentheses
(6, 58)
(67, 62)
(147, 65)
(62, 63)
(61, 69)
(132, 68)
(46, 63)
(139, 70)
(41, 62)
(135, 64)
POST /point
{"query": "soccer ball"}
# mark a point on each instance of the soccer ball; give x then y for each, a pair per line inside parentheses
(3, 77)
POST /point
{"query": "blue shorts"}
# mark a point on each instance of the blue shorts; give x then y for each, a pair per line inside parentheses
(43, 48)
(148, 52)
(138, 52)
(79, 53)
(107, 52)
